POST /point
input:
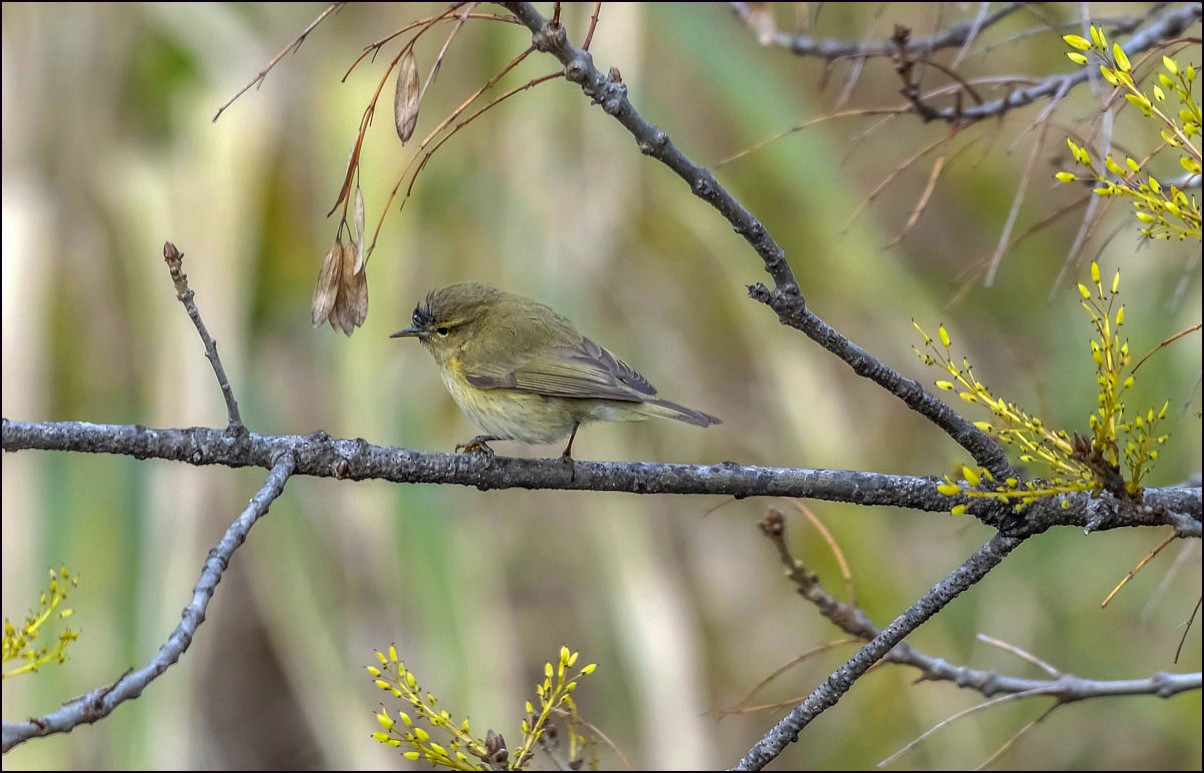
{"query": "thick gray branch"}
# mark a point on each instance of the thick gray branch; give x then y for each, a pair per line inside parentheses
(792, 312)
(323, 456)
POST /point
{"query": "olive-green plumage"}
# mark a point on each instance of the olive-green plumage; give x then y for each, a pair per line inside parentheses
(522, 372)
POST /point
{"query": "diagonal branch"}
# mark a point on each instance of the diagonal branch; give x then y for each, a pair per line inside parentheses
(296, 44)
(786, 298)
(853, 620)
(99, 703)
(826, 695)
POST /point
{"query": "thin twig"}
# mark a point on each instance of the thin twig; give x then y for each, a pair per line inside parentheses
(857, 66)
(460, 19)
(1021, 188)
(854, 621)
(1187, 558)
(1024, 655)
(846, 573)
(296, 44)
(185, 295)
(921, 203)
(431, 136)
(614, 747)
(975, 27)
(1010, 742)
(372, 49)
(484, 108)
(969, 276)
(743, 707)
(1129, 575)
(863, 135)
(1186, 629)
(913, 743)
(857, 112)
(1116, 26)
(1164, 343)
(1043, 117)
(344, 196)
(593, 24)
(1082, 235)
(891, 177)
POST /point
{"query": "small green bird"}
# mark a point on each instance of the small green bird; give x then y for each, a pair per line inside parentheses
(522, 372)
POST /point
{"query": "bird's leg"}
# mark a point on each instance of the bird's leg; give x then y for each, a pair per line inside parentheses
(477, 445)
(567, 455)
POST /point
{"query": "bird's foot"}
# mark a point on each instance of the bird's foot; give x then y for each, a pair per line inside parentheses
(567, 458)
(478, 445)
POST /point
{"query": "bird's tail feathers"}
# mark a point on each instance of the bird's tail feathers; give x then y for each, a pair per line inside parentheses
(671, 410)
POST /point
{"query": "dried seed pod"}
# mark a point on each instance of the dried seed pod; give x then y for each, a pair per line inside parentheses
(355, 295)
(359, 228)
(344, 313)
(409, 92)
(327, 290)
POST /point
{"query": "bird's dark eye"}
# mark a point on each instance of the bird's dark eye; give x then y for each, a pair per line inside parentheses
(442, 331)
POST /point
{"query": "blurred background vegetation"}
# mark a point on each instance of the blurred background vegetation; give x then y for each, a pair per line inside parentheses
(108, 150)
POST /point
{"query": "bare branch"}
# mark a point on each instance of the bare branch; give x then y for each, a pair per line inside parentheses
(890, 112)
(956, 35)
(893, 175)
(786, 299)
(977, 26)
(593, 24)
(852, 620)
(1168, 23)
(1172, 22)
(888, 647)
(792, 311)
(258, 79)
(958, 715)
(1024, 655)
(1005, 236)
(99, 703)
(184, 294)
(1133, 572)
(1187, 628)
(826, 695)
(1028, 726)
(322, 456)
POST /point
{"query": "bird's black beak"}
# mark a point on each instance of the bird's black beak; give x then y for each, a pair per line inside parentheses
(410, 332)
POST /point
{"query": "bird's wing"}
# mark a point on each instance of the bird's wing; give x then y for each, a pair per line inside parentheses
(585, 370)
